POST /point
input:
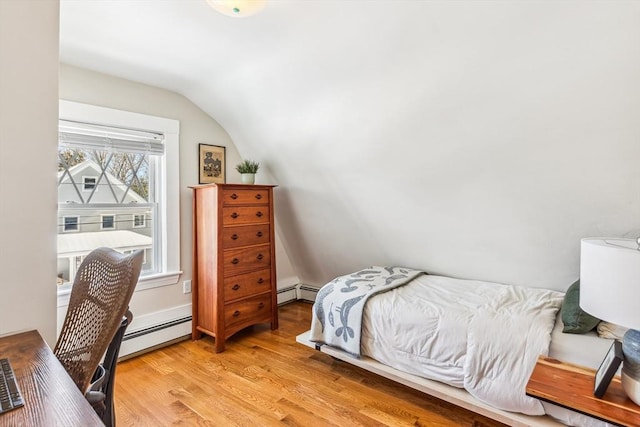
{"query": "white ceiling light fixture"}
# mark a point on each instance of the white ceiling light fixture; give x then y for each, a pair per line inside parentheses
(238, 8)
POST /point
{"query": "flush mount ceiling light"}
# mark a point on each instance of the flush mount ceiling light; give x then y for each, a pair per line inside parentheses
(237, 8)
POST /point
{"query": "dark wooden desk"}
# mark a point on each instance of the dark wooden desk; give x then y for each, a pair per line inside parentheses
(50, 396)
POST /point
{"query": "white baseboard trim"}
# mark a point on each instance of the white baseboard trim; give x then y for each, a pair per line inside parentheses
(152, 320)
(307, 293)
(154, 339)
(155, 329)
(287, 295)
(296, 293)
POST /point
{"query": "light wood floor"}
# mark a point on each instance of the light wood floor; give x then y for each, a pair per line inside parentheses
(265, 378)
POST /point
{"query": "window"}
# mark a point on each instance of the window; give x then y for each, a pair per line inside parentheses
(108, 222)
(113, 163)
(126, 165)
(88, 183)
(70, 223)
(139, 221)
(144, 255)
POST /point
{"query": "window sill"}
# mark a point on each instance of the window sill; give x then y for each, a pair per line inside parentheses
(146, 282)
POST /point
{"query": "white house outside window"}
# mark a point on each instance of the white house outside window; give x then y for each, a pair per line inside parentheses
(109, 174)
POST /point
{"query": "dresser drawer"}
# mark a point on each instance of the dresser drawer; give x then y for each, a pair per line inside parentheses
(245, 215)
(245, 197)
(247, 312)
(233, 237)
(236, 261)
(247, 284)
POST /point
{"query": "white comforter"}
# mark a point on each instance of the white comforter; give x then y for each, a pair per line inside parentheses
(482, 336)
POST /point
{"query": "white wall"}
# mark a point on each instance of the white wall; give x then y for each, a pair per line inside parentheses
(474, 139)
(477, 139)
(82, 85)
(28, 146)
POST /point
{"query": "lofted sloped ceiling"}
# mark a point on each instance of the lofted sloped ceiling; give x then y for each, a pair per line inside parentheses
(477, 139)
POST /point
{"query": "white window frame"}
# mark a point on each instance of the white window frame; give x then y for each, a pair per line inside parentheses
(102, 227)
(144, 220)
(168, 240)
(64, 224)
(84, 183)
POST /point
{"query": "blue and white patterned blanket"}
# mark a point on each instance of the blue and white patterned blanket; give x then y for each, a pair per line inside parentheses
(337, 312)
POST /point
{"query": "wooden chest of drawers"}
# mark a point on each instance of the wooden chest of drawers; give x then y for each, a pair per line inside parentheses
(234, 272)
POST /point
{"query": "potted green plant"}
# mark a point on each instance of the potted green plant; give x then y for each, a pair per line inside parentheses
(248, 170)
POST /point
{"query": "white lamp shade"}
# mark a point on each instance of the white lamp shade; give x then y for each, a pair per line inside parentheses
(238, 8)
(610, 280)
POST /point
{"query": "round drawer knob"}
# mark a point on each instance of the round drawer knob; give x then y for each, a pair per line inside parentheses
(259, 214)
(236, 313)
(234, 237)
(258, 196)
(261, 305)
(260, 256)
(236, 287)
(260, 281)
(234, 196)
(259, 234)
(234, 215)
(235, 261)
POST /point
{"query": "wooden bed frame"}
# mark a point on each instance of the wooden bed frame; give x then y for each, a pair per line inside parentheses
(457, 396)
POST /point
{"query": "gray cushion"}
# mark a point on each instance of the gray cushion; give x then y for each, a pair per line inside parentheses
(576, 320)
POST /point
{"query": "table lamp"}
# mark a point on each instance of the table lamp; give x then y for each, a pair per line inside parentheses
(610, 290)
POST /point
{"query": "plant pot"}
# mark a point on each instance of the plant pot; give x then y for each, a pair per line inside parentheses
(248, 178)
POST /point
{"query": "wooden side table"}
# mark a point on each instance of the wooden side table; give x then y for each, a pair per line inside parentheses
(571, 386)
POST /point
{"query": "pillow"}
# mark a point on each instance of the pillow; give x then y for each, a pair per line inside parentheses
(576, 320)
(611, 330)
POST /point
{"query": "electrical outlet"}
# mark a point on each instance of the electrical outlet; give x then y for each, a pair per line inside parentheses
(186, 287)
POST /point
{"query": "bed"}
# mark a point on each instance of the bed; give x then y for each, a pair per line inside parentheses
(472, 343)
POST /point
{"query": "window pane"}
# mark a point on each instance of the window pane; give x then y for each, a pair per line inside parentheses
(70, 223)
(108, 199)
(89, 183)
(108, 222)
(111, 177)
(139, 221)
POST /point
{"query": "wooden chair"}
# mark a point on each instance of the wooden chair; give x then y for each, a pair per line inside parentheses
(98, 303)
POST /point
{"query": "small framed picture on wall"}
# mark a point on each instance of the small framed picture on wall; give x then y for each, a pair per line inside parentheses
(212, 164)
